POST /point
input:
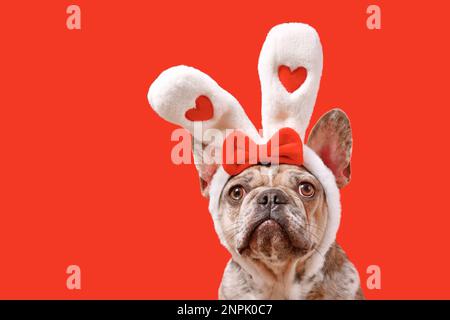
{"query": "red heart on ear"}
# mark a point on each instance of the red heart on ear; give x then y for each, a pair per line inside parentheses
(202, 111)
(291, 80)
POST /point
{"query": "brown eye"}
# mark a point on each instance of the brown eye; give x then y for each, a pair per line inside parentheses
(236, 192)
(306, 189)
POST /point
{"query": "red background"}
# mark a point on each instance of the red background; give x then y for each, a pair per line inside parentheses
(85, 170)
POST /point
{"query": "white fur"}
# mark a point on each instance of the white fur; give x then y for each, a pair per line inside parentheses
(293, 45)
(315, 165)
(215, 190)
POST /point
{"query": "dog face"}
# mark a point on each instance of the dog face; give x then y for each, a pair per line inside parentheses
(273, 212)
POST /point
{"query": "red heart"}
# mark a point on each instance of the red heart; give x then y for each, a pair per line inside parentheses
(202, 111)
(292, 80)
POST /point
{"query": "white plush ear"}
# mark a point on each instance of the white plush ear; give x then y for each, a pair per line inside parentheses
(191, 99)
(291, 52)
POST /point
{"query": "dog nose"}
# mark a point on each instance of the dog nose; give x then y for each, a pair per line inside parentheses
(272, 197)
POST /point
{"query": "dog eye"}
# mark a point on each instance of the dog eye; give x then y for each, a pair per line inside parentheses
(306, 189)
(236, 192)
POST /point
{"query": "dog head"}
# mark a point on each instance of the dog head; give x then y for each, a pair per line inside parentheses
(277, 212)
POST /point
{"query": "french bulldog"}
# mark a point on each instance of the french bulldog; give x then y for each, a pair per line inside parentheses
(278, 219)
(273, 219)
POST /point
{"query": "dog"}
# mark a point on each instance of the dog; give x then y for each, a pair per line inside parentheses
(278, 218)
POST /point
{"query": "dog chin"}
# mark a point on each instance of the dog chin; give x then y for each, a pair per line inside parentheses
(270, 240)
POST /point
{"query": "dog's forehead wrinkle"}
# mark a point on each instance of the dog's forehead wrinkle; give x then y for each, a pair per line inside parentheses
(300, 171)
(248, 174)
(245, 177)
(270, 172)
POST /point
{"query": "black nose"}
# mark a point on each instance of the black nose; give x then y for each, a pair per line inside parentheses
(272, 197)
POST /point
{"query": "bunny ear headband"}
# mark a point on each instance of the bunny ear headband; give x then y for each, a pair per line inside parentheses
(290, 68)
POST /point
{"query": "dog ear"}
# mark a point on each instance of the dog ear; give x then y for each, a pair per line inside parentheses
(331, 138)
(205, 164)
(208, 172)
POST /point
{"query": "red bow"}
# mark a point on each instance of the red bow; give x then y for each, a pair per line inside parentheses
(240, 152)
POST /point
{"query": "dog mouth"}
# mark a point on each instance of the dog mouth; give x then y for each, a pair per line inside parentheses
(267, 234)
